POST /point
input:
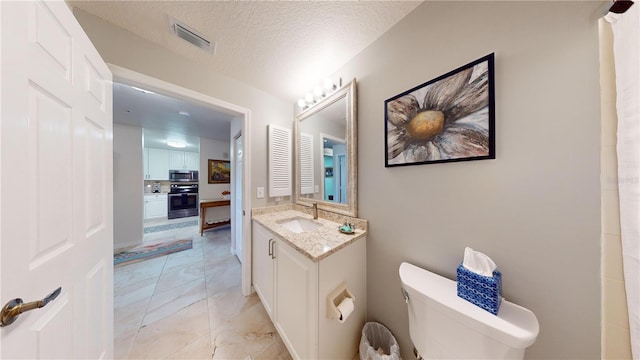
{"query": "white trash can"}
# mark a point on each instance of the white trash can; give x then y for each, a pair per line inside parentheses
(378, 343)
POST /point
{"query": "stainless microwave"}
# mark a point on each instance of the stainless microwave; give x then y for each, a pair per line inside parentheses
(183, 175)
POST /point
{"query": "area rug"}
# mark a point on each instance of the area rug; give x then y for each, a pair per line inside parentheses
(146, 252)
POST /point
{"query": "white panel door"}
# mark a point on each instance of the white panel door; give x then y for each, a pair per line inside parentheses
(56, 184)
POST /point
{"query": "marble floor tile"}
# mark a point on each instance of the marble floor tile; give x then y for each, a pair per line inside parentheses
(248, 334)
(180, 275)
(130, 317)
(199, 349)
(122, 344)
(277, 351)
(165, 304)
(140, 291)
(189, 305)
(140, 271)
(170, 334)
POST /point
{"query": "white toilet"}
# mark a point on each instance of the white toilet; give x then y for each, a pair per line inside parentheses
(445, 326)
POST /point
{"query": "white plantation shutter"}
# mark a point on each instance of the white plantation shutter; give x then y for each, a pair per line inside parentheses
(279, 161)
(306, 164)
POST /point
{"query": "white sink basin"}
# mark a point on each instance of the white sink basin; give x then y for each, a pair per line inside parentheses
(299, 225)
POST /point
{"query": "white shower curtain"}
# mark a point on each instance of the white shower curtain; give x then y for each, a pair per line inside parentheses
(626, 44)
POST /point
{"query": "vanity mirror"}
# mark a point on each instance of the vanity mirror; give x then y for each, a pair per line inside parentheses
(325, 153)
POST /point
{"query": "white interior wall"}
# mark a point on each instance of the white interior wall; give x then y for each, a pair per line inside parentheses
(127, 186)
(215, 150)
(535, 209)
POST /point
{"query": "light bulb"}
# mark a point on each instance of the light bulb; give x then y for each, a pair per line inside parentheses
(328, 84)
(302, 103)
(317, 91)
(308, 98)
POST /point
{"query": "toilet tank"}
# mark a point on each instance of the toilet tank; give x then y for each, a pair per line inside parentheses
(445, 326)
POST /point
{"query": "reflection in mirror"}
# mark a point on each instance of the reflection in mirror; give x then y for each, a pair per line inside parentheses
(325, 153)
(334, 160)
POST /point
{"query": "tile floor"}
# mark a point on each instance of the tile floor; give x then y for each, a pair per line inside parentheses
(189, 305)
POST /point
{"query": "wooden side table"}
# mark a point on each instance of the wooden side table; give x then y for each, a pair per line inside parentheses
(204, 205)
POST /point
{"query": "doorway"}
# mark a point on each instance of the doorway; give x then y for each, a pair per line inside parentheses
(241, 121)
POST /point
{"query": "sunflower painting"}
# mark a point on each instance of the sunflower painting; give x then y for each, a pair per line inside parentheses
(450, 118)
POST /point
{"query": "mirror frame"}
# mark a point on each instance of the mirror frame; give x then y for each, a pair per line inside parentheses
(348, 92)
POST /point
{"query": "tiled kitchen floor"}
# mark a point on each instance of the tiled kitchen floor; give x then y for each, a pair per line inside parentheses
(189, 305)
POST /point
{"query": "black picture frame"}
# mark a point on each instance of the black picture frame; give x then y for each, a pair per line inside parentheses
(450, 118)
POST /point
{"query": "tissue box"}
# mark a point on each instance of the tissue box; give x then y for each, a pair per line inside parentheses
(483, 291)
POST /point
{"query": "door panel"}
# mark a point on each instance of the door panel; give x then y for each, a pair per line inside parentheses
(56, 171)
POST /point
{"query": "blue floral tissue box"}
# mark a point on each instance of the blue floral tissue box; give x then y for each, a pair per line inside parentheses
(483, 291)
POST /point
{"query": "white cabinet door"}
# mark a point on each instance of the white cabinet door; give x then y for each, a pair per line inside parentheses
(145, 163)
(176, 160)
(263, 266)
(158, 164)
(191, 160)
(297, 301)
(155, 206)
(183, 160)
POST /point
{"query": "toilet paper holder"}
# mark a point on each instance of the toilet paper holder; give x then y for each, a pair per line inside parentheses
(334, 299)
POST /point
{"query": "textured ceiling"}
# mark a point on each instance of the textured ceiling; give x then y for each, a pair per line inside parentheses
(282, 47)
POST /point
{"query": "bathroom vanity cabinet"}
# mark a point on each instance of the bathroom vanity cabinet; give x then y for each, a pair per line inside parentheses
(294, 290)
(263, 266)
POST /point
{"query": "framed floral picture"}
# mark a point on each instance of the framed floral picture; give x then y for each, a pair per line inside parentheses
(219, 172)
(449, 118)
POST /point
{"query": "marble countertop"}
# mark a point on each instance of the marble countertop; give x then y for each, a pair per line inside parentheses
(315, 244)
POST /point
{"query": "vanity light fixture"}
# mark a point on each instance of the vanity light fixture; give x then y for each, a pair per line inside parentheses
(318, 93)
(176, 144)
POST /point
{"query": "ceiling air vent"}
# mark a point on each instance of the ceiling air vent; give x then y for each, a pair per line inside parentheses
(186, 33)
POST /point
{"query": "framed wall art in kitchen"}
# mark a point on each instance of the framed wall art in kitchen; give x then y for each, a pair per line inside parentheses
(219, 172)
(450, 118)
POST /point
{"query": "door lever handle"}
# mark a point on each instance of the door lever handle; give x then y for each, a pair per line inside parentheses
(15, 307)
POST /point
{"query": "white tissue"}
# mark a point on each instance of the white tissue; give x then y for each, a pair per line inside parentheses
(345, 308)
(478, 262)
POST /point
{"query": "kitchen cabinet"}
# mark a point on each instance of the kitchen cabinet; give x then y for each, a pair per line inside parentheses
(263, 266)
(184, 160)
(155, 206)
(294, 290)
(156, 164)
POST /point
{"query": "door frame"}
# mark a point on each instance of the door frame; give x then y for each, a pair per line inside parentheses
(243, 114)
(234, 174)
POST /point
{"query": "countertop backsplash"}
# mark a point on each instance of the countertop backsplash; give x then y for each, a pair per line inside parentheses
(164, 186)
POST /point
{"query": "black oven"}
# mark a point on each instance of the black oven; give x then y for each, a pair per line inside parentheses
(183, 200)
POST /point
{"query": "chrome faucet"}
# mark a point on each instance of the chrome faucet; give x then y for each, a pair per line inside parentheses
(315, 210)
